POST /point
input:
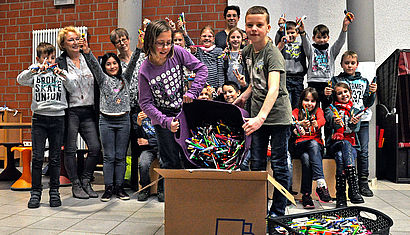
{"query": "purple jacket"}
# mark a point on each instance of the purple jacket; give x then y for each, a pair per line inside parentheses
(161, 87)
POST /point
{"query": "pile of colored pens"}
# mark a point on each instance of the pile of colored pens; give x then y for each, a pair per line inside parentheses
(216, 146)
(327, 225)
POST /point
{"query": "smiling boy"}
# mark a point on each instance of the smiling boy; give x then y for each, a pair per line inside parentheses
(270, 105)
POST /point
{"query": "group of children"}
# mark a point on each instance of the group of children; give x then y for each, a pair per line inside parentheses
(268, 78)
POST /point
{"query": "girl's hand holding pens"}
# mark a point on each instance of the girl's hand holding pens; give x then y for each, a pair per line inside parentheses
(174, 125)
(305, 123)
(338, 121)
(314, 124)
(355, 119)
(328, 91)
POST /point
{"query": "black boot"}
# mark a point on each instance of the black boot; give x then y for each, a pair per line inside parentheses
(55, 200)
(107, 194)
(35, 199)
(87, 188)
(120, 192)
(78, 190)
(341, 200)
(353, 191)
(364, 187)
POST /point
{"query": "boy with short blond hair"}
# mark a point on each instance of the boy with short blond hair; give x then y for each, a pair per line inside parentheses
(363, 96)
(270, 105)
(48, 105)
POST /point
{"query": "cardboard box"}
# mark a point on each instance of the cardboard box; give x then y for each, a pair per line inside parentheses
(207, 201)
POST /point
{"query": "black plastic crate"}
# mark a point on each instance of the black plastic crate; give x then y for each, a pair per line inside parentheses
(380, 225)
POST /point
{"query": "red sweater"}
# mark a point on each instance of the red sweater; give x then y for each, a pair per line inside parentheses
(316, 135)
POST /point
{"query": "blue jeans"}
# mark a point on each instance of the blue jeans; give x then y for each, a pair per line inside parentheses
(148, 155)
(51, 128)
(115, 133)
(279, 143)
(344, 154)
(363, 154)
(294, 85)
(81, 120)
(169, 150)
(310, 154)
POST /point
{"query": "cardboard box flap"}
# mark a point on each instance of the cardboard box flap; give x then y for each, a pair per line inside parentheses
(212, 174)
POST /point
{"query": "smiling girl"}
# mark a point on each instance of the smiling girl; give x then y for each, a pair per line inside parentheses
(309, 146)
(161, 88)
(342, 144)
(114, 120)
(233, 59)
(210, 55)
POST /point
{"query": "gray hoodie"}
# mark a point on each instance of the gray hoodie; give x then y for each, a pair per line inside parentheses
(322, 61)
(48, 91)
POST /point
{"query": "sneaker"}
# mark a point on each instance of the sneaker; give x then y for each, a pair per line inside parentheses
(107, 194)
(323, 194)
(364, 188)
(307, 202)
(143, 195)
(161, 197)
(35, 199)
(121, 194)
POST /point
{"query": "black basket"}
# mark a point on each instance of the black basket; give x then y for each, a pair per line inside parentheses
(381, 225)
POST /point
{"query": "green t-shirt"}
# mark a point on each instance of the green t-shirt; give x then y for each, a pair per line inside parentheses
(258, 66)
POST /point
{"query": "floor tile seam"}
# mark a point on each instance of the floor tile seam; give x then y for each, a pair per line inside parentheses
(29, 224)
(122, 221)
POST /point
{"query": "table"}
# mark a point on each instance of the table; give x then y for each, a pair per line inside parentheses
(11, 172)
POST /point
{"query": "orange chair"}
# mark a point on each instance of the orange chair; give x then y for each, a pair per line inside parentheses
(24, 183)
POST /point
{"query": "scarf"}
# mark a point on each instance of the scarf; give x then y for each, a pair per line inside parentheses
(208, 49)
(339, 133)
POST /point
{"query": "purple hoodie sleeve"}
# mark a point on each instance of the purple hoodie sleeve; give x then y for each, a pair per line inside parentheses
(146, 101)
(193, 64)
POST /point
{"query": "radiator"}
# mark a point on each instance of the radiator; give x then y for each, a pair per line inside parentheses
(50, 36)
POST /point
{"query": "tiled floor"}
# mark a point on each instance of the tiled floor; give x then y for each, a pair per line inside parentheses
(132, 217)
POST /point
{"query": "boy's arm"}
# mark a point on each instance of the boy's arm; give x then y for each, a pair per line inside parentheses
(306, 43)
(368, 97)
(240, 101)
(337, 46)
(26, 78)
(255, 123)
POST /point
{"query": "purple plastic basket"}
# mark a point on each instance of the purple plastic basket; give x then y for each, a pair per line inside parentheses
(199, 111)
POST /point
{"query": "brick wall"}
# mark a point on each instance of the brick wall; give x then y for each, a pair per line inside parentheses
(19, 18)
(198, 13)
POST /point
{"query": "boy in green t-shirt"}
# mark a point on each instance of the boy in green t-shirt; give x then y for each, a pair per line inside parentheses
(270, 106)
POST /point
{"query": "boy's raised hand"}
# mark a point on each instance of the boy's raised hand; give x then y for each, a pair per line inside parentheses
(281, 22)
(349, 18)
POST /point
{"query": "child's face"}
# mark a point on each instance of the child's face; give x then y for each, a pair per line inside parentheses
(204, 94)
(235, 40)
(179, 39)
(342, 95)
(207, 38)
(320, 39)
(111, 66)
(292, 34)
(309, 102)
(51, 58)
(257, 28)
(163, 45)
(122, 44)
(349, 65)
(230, 94)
